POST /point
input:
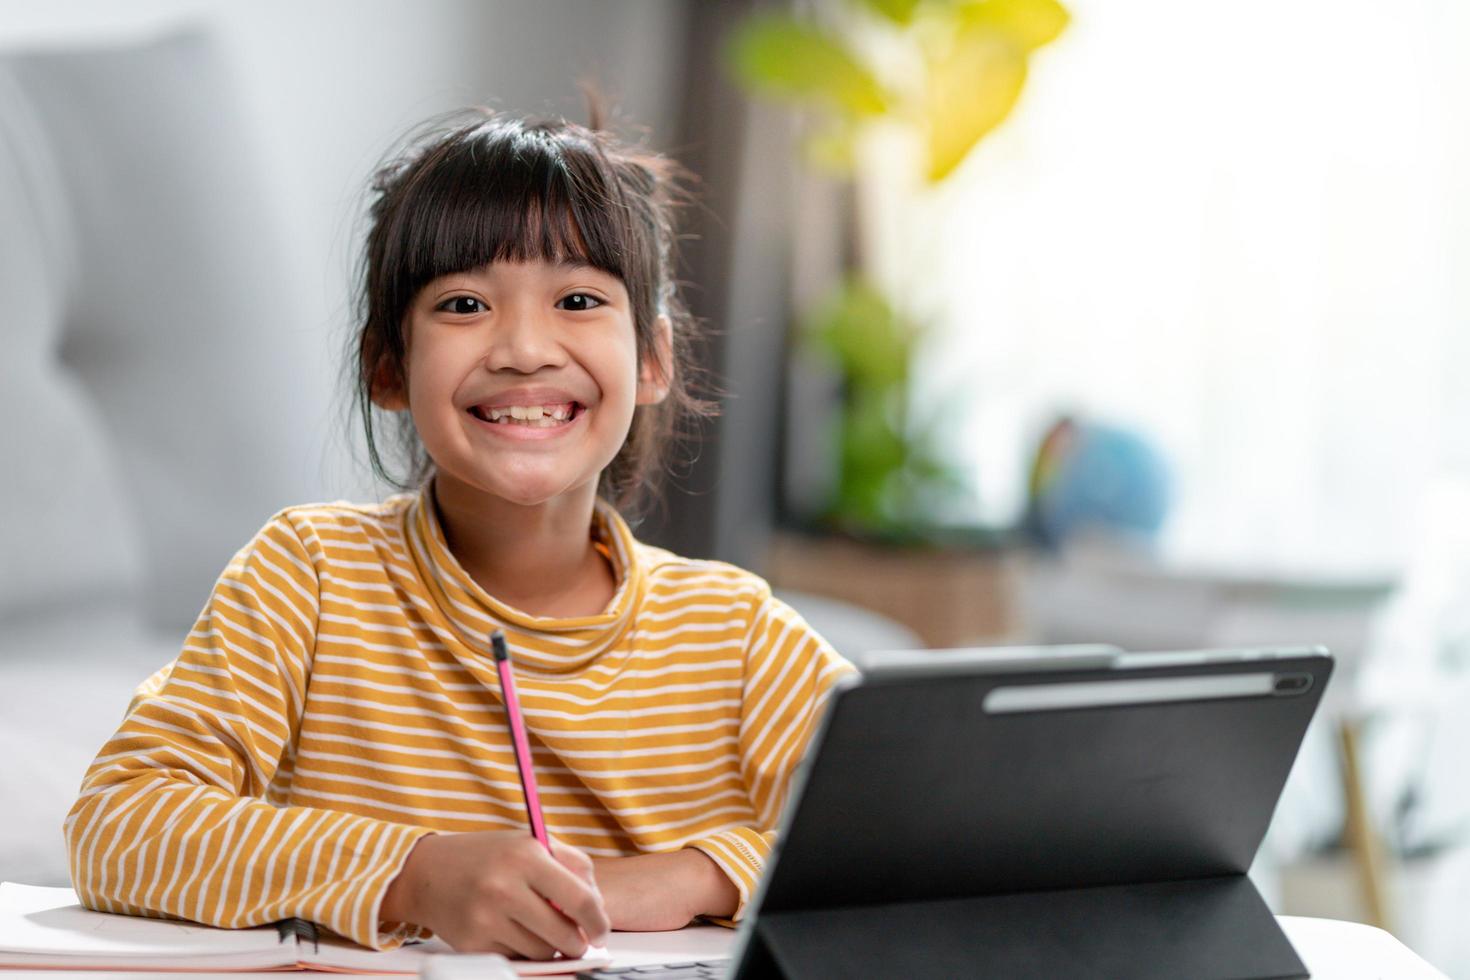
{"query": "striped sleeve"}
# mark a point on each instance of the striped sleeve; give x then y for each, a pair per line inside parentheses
(789, 672)
(172, 818)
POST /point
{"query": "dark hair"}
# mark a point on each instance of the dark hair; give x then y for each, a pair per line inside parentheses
(479, 186)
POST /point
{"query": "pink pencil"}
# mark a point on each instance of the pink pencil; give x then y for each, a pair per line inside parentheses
(518, 737)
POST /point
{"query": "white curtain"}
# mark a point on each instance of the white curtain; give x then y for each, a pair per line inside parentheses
(1240, 229)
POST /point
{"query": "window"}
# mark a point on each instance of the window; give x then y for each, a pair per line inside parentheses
(1240, 229)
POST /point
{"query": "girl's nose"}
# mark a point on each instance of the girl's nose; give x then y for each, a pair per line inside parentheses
(523, 341)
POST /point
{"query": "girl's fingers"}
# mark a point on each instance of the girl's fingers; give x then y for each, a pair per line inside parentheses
(579, 901)
(573, 860)
(548, 925)
(523, 940)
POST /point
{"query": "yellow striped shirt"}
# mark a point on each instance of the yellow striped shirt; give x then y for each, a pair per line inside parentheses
(337, 700)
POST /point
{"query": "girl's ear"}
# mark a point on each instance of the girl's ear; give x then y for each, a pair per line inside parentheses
(386, 391)
(655, 374)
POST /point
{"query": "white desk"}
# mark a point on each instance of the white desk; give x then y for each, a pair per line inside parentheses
(1332, 950)
(1335, 950)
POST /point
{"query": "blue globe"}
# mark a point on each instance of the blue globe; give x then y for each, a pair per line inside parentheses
(1100, 477)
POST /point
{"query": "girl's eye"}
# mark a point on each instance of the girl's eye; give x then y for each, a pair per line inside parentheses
(579, 301)
(462, 304)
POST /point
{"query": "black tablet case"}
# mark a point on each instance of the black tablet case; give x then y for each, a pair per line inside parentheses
(928, 837)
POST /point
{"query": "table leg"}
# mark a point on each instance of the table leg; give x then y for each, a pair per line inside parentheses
(1364, 844)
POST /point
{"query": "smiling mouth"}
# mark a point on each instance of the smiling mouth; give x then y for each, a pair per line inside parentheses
(530, 416)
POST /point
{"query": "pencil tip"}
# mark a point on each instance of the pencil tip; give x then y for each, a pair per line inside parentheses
(497, 646)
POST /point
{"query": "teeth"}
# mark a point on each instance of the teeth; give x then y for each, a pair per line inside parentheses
(540, 416)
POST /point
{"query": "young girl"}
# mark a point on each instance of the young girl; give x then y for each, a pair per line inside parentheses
(331, 745)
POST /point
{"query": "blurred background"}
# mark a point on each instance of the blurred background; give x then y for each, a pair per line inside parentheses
(1134, 322)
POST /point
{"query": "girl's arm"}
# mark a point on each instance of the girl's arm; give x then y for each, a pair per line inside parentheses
(788, 673)
(666, 890)
(171, 817)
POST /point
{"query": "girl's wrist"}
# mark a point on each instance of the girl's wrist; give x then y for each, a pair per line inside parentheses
(711, 891)
(398, 899)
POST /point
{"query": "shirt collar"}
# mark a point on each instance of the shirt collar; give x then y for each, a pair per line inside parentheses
(537, 643)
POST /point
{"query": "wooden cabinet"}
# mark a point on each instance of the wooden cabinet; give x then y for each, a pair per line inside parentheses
(949, 597)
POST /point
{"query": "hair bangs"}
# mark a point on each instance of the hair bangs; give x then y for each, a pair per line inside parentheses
(498, 196)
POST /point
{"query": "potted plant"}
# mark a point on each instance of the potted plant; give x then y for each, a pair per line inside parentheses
(943, 74)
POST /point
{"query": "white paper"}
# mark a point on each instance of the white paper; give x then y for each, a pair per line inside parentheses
(47, 927)
(49, 924)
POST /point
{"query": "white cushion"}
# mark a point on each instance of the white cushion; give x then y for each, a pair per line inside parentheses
(184, 321)
(66, 534)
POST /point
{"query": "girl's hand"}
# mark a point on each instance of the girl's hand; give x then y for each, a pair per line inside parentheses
(657, 892)
(492, 892)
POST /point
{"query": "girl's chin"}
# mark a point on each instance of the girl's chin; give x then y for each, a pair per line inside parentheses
(522, 480)
(532, 500)
(532, 492)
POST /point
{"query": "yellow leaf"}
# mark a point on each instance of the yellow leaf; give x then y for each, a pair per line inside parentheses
(899, 11)
(787, 58)
(1030, 23)
(832, 150)
(972, 85)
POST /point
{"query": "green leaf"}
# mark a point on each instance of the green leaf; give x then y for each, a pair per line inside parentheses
(973, 83)
(899, 11)
(872, 455)
(871, 341)
(785, 58)
(1029, 23)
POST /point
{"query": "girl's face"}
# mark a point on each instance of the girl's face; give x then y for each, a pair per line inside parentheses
(523, 377)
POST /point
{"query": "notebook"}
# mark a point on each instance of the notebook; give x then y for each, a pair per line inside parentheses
(46, 928)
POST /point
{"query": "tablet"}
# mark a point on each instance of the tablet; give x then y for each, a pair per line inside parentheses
(1108, 803)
